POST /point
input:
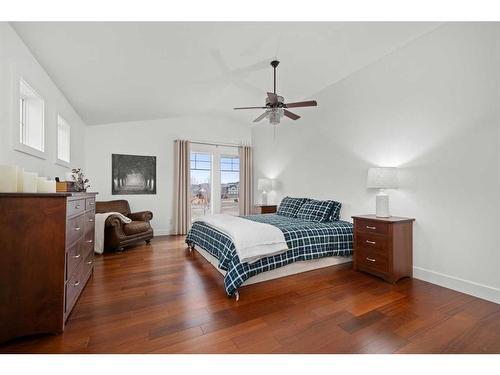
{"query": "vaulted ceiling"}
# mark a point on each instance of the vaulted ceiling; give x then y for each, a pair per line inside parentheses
(128, 71)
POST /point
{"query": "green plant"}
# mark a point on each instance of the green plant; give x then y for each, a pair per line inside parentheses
(81, 182)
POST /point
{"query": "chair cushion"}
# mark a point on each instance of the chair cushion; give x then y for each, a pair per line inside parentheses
(136, 227)
(318, 211)
(290, 206)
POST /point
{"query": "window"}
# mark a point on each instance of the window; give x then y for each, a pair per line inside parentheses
(31, 118)
(63, 140)
(201, 184)
(229, 184)
(215, 180)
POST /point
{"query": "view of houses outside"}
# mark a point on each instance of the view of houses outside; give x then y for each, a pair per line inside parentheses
(230, 185)
(201, 190)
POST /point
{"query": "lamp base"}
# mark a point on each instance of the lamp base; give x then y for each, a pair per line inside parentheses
(264, 198)
(382, 208)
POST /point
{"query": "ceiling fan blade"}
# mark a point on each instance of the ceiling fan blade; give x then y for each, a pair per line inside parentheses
(310, 103)
(262, 116)
(273, 98)
(291, 115)
(250, 108)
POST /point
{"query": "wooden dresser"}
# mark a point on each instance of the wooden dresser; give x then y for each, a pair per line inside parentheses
(384, 246)
(265, 209)
(47, 256)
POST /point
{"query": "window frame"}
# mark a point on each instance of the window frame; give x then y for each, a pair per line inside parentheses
(62, 162)
(19, 132)
(217, 152)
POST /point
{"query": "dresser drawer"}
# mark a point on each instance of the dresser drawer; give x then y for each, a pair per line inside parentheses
(74, 229)
(88, 264)
(89, 221)
(75, 207)
(371, 259)
(368, 226)
(88, 244)
(74, 286)
(73, 258)
(372, 241)
(89, 204)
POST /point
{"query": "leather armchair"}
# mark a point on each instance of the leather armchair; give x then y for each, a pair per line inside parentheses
(117, 234)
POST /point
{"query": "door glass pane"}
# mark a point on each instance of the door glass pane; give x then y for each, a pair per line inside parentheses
(201, 177)
(230, 184)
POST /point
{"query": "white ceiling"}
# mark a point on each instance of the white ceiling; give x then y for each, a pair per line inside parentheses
(128, 71)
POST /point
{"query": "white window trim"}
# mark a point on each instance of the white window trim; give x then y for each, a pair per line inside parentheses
(18, 145)
(62, 163)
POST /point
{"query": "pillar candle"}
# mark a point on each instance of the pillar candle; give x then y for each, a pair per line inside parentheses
(46, 186)
(20, 179)
(40, 184)
(30, 180)
(8, 178)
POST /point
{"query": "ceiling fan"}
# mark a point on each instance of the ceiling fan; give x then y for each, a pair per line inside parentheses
(275, 105)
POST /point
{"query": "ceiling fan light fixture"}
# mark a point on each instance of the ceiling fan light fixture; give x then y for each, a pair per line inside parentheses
(275, 115)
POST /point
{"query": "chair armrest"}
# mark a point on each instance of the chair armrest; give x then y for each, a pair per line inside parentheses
(113, 221)
(141, 216)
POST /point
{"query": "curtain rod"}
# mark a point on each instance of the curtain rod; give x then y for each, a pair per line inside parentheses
(216, 144)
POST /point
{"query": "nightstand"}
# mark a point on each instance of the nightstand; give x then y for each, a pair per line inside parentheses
(384, 246)
(265, 209)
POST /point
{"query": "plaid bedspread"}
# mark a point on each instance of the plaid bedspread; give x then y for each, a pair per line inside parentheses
(306, 240)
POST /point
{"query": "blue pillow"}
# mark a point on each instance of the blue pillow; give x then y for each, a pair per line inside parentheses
(335, 215)
(290, 206)
(318, 211)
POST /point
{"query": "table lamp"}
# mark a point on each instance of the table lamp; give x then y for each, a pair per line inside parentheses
(264, 185)
(382, 178)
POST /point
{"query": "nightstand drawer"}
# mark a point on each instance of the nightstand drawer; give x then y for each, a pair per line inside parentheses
(373, 260)
(368, 226)
(372, 241)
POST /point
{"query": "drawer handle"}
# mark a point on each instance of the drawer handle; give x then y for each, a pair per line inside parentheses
(370, 242)
(89, 262)
(91, 220)
(370, 259)
(91, 203)
(77, 229)
(77, 283)
(90, 241)
(370, 227)
(77, 256)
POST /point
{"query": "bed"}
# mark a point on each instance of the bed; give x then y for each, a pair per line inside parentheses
(307, 242)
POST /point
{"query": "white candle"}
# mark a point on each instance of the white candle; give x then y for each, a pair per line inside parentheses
(8, 178)
(46, 186)
(40, 184)
(20, 179)
(30, 180)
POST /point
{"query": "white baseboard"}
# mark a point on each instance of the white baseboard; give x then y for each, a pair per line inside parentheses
(162, 232)
(465, 286)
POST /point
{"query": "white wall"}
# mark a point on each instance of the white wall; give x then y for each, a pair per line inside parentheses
(16, 61)
(154, 138)
(432, 109)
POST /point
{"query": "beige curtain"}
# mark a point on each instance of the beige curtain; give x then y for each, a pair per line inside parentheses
(182, 194)
(246, 180)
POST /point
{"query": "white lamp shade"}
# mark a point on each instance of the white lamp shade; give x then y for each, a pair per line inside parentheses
(264, 184)
(383, 178)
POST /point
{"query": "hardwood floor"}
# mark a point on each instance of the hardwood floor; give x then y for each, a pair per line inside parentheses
(162, 299)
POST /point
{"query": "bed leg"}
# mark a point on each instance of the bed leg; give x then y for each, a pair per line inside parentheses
(237, 296)
(190, 246)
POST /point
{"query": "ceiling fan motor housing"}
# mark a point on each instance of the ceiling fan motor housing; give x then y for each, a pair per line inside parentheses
(281, 100)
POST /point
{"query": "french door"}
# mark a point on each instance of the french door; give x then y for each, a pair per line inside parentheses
(215, 180)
